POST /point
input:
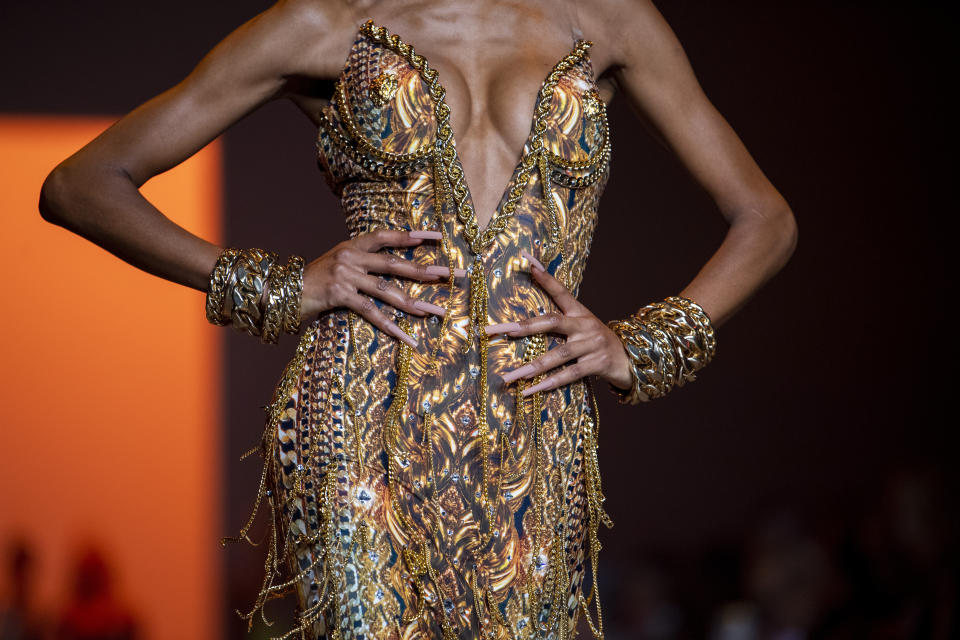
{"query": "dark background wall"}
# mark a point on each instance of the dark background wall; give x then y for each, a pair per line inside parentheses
(830, 394)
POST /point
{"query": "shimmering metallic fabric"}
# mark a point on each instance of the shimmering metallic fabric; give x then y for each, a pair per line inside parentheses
(414, 494)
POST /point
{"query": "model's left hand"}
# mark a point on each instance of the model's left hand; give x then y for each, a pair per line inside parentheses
(591, 346)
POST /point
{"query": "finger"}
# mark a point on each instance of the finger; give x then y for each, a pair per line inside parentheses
(368, 309)
(503, 327)
(547, 323)
(394, 265)
(376, 240)
(426, 235)
(560, 294)
(552, 359)
(564, 376)
(444, 272)
(395, 296)
(533, 261)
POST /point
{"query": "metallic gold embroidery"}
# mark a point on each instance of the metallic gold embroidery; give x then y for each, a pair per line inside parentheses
(383, 88)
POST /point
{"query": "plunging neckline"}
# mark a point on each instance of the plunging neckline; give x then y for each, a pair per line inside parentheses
(517, 167)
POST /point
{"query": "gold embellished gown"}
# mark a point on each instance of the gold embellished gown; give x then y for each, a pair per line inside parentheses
(413, 493)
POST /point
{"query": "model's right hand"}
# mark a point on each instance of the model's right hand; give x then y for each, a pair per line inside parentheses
(344, 277)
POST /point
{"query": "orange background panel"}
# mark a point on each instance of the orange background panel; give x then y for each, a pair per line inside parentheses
(111, 394)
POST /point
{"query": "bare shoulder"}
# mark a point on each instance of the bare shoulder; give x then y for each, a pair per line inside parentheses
(625, 32)
(327, 29)
(305, 37)
(317, 34)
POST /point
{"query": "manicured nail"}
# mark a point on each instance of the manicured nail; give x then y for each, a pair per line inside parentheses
(537, 387)
(429, 307)
(437, 270)
(426, 235)
(400, 333)
(532, 260)
(520, 372)
(504, 327)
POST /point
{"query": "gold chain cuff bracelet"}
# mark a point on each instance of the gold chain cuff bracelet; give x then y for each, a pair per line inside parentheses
(217, 291)
(235, 294)
(667, 342)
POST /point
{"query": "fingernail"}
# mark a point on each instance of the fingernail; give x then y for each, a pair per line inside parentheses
(520, 372)
(429, 307)
(537, 387)
(400, 333)
(426, 235)
(437, 270)
(504, 327)
(532, 260)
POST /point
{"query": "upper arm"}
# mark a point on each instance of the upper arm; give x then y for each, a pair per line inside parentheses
(246, 69)
(656, 77)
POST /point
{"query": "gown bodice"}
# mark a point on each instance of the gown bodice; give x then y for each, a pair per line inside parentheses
(389, 120)
(416, 494)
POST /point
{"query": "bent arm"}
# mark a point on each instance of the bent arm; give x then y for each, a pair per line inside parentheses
(656, 76)
(95, 192)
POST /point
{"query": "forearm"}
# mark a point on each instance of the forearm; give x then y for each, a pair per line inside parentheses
(756, 247)
(104, 206)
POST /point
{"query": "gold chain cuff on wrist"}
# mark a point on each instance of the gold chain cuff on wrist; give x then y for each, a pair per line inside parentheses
(293, 284)
(667, 342)
(237, 282)
(273, 312)
(253, 269)
(218, 289)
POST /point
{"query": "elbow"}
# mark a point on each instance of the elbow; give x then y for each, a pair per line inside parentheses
(72, 191)
(782, 233)
(54, 196)
(786, 233)
(771, 228)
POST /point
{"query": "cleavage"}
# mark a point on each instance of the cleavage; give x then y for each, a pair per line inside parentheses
(491, 116)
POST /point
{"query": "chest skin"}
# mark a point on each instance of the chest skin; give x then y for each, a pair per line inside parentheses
(491, 70)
